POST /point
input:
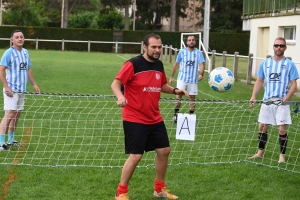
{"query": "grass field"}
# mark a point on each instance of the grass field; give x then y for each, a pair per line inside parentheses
(73, 146)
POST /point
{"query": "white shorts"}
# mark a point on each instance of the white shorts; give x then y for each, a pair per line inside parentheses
(191, 88)
(14, 103)
(275, 115)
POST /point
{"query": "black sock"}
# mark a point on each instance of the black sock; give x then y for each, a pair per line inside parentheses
(262, 140)
(192, 111)
(283, 139)
(176, 111)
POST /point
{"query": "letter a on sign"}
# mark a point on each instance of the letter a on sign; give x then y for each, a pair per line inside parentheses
(186, 124)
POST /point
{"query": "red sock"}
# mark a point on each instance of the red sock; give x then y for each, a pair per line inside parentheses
(122, 189)
(158, 185)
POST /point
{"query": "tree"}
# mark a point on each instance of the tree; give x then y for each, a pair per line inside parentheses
(110, 20)
(120, 4)
(226, 15)
(173, 15)
(24, 12)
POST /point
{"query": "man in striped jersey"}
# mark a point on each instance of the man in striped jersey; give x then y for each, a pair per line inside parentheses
(278, 75)
(14, 72)
(191, 71)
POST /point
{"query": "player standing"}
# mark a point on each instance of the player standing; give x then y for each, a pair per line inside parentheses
(144, 79)
(278, 75)
(191, 71)
(15, 71)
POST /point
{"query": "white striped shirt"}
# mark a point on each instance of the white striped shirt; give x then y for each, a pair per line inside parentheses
(277, 76)
(17, 64)
(189, 62)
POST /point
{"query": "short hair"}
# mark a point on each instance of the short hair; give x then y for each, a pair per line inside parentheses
(151, 35)
(280, 38)
(190, 36)
(15, 31)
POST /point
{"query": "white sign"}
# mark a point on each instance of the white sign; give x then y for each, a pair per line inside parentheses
(186, 125)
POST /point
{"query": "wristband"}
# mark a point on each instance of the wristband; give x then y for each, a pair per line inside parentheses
(174, 90)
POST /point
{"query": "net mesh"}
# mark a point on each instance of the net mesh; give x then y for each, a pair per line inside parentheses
(86, 130)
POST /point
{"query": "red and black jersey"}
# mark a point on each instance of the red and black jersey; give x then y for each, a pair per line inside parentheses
(143, 81)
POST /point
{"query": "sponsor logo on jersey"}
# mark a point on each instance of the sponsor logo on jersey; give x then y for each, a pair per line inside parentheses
(151, 89)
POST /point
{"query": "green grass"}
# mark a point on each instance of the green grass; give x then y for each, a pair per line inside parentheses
(75, 147)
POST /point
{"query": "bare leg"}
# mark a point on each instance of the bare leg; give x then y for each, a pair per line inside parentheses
(282, 129)
(192, 103)
(161, 163)
(129, 167)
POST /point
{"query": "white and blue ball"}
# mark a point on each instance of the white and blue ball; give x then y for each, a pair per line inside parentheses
(221, 79)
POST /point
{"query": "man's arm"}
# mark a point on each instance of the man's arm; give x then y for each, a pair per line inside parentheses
(257, 86)
(32, 81)
(174, 69)
(292, 90)
(201, 69)
(170, 90)
(116, 88)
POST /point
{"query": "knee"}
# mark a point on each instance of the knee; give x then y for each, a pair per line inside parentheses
(164, 151)
(135, 157)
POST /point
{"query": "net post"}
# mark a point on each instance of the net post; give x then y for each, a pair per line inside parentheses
(170, 54)
(235, 65)
(213, 59)
(224, 59)
(249, 73)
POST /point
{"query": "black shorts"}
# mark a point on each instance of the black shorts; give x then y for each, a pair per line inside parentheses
(144, 137)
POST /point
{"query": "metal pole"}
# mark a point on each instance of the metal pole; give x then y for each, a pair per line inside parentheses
(0, 12)
(206, 24)
(62, 13)
(134, 5)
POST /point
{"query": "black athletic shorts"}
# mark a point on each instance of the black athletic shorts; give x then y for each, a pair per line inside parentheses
(144, 137)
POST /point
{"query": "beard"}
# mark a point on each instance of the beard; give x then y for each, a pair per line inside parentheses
(151, 57)
(279, 53)
(191, 46)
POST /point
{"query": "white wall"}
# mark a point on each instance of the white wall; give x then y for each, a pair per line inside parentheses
(275, 25)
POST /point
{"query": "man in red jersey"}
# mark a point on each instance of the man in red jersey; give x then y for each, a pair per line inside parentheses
(144, 79)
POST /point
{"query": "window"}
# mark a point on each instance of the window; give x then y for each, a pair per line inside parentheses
(290, 34)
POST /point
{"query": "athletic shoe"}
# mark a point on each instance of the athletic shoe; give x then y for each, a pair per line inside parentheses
(122, 197)
(164, 194)
(4, 147)
(14, 143)
(174, 120)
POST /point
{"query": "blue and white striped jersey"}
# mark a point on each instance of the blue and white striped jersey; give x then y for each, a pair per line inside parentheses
(277, 76)
(189, 62)
(17, 64)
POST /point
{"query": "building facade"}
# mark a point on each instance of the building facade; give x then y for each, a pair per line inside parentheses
(267, 20)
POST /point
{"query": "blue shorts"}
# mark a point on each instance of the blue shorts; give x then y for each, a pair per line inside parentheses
(140, 138)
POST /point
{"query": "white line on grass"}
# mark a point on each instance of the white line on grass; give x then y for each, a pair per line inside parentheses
(122, 57)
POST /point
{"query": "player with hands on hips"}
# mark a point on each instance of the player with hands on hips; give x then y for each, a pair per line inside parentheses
(278, 76)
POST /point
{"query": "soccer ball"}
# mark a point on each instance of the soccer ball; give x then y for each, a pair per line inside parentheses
(221, 79)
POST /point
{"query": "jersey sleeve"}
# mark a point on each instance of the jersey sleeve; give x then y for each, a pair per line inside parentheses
(179, 56)
(5, 60)
(201, 57)
(294, 75)
(260, 72)
(29, 60)
(126, 73)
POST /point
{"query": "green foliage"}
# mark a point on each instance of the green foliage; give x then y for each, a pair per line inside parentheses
(25, 13)
(226, 16)
(82, 20)
(112, 20)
